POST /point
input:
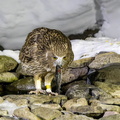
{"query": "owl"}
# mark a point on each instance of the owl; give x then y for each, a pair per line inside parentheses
(43, 50)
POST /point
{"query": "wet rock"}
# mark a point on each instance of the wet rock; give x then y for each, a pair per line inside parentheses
(73, 74)
(111, 117)
(112, 89)
(91, 111)
(25, 113)
(108, 73)
(103, 59)
(73, 117)
(46, 113)
(81, 62)
(22, 85)
(8, 77)
(75, 102)
(7, 63)
(78, 89)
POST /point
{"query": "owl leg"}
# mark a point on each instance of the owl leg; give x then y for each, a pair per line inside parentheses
(38, 81)
(48, 80)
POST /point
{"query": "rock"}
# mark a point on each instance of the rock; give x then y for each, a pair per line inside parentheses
(25, 113)
(108, 73)
(111, 117)
(103, 59)
(22, 85)
(52, 106)
(73, 73)
(75, 102)
(78, 89)
(73, 117)
(110, 107)
(7, 63)
(81, 62)
(90, 111)
(108, 113)
(1, 100)
(8, 77)
(112, 89)
(3, 112)
(111, 101)
(46, 113)
(106, 107)
(8, 118)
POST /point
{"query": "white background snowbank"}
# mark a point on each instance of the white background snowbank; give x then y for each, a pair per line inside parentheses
(19, 17)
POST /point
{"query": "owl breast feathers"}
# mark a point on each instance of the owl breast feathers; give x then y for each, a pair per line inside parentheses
(43, 50)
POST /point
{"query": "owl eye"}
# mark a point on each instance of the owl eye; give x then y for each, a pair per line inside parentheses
(55, 58)
(64, 57)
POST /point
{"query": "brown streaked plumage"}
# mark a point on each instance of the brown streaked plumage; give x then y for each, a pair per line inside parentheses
(44, 49)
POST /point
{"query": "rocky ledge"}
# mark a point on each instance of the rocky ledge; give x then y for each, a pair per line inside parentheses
(90, 90)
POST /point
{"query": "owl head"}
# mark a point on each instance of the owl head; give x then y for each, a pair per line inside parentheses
(63, 59)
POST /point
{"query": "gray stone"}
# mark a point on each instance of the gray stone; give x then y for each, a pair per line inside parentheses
(8, 77)
(111, 117)
(75, 102)
(78, 89)
(7, 63)
(108, 73)
(112, 89)
(81, 62)
(46, 113)
(21, 85)
(8, 118)
(25, 113)
(73, 117)
(91, 111)
(73, 73)
(103, 59)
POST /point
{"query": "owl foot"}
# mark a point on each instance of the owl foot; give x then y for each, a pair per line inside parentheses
(52, 93)
(38, 92)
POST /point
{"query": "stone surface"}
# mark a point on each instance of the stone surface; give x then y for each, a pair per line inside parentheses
(73, 117)
(23, 85)
(46, 113)
(109, 73)
(103, 59)
(112, 89)
(91, 111)
(3, 113)
(8, 77)
(75, 102)
(72, 74)
(7, 63)
(111, 117)
(25, 113)
(81, 62)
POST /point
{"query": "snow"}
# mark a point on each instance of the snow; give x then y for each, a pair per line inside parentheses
(82, 48)
(19, 17)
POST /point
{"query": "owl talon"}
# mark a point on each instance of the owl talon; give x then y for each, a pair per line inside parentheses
(38, 92)
(52, 93)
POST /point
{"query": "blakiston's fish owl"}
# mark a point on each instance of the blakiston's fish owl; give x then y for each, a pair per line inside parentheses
(43, 50)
